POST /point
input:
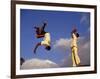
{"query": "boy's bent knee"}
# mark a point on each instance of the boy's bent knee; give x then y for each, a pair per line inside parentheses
(48, 48)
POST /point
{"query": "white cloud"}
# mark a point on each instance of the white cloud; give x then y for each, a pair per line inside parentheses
(62, 44)
(84, 51)
(38, 63)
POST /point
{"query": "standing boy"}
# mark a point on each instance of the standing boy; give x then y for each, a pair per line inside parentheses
(74, 48)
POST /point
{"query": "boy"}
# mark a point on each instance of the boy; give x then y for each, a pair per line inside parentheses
(40, 32)
(74, 48)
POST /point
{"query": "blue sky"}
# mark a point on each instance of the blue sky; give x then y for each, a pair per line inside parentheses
(60, 24)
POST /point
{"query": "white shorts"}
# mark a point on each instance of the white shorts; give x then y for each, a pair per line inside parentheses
(46, 43)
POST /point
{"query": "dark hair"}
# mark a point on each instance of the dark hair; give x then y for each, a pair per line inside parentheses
(48, 48)
(74, 30)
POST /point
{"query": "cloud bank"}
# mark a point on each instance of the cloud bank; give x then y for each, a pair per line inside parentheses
(84, 50)
(38, 63)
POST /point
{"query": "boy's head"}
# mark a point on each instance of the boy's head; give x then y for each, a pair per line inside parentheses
(48, 48)
(74, 30)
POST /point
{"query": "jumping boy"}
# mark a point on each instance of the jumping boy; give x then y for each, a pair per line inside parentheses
(40, 32)
(74, 48)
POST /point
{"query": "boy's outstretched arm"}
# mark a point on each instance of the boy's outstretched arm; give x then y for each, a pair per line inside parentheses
(35, 27)
(37, 45)
(40, 36)
(44, 24)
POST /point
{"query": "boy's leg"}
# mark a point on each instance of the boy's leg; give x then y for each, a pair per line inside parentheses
(37, 45)
(73, 58)
(76, 56)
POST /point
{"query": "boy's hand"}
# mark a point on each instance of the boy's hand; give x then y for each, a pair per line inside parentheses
(45, 22)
